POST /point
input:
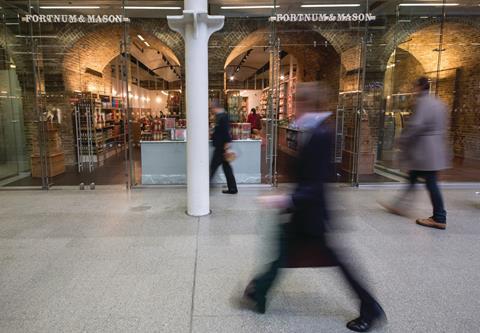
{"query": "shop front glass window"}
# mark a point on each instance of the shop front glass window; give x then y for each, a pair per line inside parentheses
(74, 118)
(458, 85)
(438, 40)
(94, 93)
(22, 129)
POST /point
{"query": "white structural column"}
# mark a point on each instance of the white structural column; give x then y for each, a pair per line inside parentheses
(196, 26)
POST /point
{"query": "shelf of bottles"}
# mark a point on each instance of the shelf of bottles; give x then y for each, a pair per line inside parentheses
(174, 104)
(237, 107)
(163, 129)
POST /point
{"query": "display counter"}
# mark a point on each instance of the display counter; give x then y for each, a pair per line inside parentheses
(165, 162)
(289, 140)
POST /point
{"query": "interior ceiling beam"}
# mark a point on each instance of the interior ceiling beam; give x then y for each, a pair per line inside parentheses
(266, 67)
(377, 4)
(244, 58)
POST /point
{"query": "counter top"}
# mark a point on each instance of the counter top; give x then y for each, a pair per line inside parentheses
(163, 141)
(291, 129)
(165, 162)
(174, 141)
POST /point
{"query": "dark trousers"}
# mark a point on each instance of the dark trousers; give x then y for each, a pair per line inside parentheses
(217, 160)
(265, 281)
(439, 212)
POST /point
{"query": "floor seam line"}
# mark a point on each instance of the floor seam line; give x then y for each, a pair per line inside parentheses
(192, 308)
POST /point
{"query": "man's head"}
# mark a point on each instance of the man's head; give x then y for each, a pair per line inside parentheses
(216, 107)
(422, 84)
(312, 97)
(253, 110)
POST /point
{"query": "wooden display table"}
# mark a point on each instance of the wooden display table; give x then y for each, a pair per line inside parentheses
(55, 156)
(366, 157)
(55, 162)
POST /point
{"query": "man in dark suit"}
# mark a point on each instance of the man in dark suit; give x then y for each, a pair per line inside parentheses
(221, 142)
(309, 205)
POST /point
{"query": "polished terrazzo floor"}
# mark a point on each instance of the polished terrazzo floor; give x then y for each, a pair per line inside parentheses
(112, 261)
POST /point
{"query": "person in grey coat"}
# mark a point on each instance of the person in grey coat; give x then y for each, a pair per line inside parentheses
(424, 146)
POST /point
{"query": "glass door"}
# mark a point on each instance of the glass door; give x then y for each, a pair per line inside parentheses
(152, 82)
(319, 45)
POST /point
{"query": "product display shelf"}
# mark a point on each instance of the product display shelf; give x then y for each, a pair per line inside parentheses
(99, 125)
(286, 103)
(264, 101)
(174, 104)
(237, 106)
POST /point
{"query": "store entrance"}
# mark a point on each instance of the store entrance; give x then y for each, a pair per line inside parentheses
(263, 73)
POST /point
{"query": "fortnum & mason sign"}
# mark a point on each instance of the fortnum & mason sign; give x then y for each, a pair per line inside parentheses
(40, 18)
(332, 17)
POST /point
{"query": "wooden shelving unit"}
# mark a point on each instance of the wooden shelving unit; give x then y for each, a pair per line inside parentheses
(55, 157)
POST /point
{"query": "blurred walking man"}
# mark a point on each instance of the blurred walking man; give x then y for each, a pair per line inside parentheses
(303, 241)
(424, 146)
(221, 140)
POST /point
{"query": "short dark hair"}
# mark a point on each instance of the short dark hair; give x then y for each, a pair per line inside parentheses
(423, 83)
(253, 110)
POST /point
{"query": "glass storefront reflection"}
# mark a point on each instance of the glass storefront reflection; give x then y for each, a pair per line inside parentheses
(131, 72)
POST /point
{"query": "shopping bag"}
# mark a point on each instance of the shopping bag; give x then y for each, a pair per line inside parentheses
(304, 250)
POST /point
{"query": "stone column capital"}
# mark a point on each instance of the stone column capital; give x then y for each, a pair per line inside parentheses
(195, 18)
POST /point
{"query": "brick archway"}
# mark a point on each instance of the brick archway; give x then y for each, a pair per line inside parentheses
(402, 69)
(314, 56)
(96, 48)
(400, 32)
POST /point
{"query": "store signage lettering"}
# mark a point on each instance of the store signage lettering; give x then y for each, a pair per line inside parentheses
(40, 18)
(338, 17)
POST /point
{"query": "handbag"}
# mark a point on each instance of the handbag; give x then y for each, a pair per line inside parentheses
(229, 155)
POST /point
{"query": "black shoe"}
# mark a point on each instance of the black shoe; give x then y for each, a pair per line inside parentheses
(230, 192)
(370, 317)
(253, 302)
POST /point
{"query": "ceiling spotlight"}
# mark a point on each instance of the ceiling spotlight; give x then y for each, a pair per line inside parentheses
(428, 4)
(250, 7)
(338, 5)
(153, 7)
(146, 43)
(141, 38)
(232, 78)
(69, 7)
